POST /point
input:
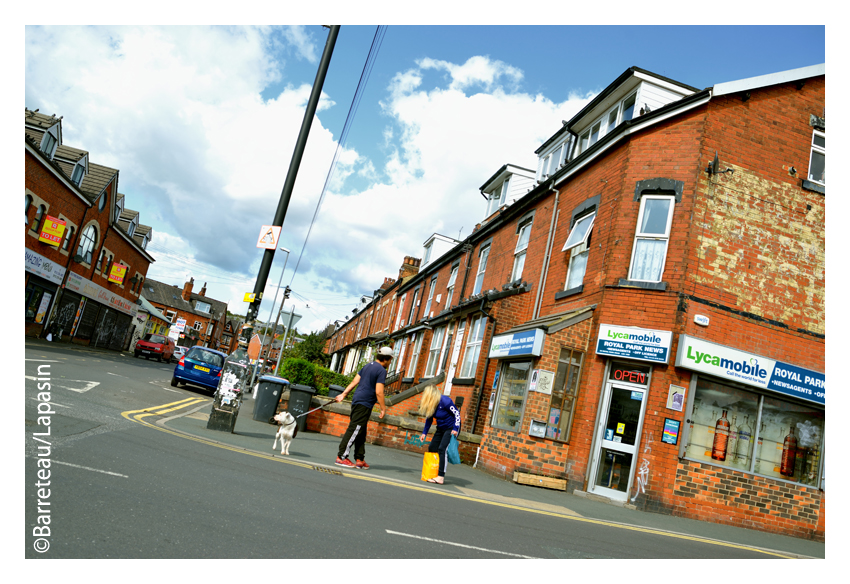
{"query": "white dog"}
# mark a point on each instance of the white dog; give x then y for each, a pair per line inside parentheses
(287, 431)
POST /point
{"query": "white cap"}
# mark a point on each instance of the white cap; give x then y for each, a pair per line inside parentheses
(385, 351)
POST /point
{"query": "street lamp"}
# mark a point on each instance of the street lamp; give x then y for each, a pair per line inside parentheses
(262, 346)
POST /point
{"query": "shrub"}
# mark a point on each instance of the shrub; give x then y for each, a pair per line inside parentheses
(303, 372)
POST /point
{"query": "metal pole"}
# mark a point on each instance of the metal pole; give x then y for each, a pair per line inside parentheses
(286, 332)
(263, 345)
(286, 194)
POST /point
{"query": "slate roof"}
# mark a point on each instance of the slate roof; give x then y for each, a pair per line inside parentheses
(39, 120)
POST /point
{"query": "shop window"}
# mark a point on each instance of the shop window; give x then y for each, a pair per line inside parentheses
(521, 250)
(482, 267)
(755, 433)
(564, 393)
(450, 290)
(37, 301)
(651, 238)
(513, 386)
(434, 353)
(473, 347)
(817, 159)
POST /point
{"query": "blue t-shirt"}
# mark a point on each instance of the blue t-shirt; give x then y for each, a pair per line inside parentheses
(372, 374)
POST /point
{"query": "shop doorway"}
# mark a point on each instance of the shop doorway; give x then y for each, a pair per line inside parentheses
(618, 432)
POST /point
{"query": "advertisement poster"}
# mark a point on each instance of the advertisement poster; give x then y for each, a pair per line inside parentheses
(676, 398)
(671, 431)
(52, 231)
(42, 308)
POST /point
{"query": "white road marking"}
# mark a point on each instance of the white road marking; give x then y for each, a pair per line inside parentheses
(115, 474)
(116, 375)
(472, 547)
(43, 360)
(161, 387)
(88, 385)
(51, 403)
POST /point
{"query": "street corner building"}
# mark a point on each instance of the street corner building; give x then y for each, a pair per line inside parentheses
(641, 318)
(85, 252)
(193, 318)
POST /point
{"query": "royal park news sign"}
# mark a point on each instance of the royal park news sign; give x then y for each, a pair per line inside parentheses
(631, 342)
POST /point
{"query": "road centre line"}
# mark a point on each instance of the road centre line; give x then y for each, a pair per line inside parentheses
(359, 476)
(472, 547)
(91, 469)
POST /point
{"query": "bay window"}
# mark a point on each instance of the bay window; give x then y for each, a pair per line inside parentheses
(651, 238)
(414, 358)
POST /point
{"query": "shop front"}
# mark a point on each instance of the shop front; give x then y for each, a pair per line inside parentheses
(43, 277)
(630, 353)
(747, 413)
(102, 318)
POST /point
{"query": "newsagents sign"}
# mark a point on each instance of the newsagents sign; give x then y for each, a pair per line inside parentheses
(750, 369)
(525, 343)
(632, 342)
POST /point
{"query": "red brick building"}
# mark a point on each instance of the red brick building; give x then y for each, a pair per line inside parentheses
(204, 317)
(85, 254)
(645, 318)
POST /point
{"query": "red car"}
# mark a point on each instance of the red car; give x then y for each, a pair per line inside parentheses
(158, 346)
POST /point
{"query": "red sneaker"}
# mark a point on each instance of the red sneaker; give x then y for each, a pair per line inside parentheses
(361, 464)
(344, 462)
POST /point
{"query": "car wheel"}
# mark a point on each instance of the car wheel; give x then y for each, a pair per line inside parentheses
(159, 358)
(174, 382)
(136, 355)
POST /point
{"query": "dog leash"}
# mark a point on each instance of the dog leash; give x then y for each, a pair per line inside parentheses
(314, 409)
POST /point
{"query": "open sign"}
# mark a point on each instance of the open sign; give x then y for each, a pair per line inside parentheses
(629, 373)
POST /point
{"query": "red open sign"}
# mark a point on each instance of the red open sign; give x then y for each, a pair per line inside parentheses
(629, 373)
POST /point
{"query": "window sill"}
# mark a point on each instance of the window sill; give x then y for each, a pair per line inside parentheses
(407, 380)
(813, 186)
(662, 286)
(571, 292)
(463, 381)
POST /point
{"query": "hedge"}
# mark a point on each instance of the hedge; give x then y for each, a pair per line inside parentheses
(303, 372)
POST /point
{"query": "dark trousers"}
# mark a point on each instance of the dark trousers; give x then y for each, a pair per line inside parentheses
(439, 443)
(354, 439)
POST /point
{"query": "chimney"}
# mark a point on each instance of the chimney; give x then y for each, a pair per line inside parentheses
(387, 283)
(203, 291)
(410, 267)
(187, 289)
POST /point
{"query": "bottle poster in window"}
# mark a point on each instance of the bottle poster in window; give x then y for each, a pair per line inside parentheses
(721, 438)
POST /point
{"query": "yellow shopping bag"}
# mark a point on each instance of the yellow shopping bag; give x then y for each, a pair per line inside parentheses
(430, 465)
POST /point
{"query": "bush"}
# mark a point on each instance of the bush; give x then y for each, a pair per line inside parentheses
(303, 372)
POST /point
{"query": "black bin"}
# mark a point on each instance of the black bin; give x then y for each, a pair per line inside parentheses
(300, 397)
(335, 390)
(268, 396)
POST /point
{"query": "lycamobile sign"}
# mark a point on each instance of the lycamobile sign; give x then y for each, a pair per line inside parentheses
(633, 343)
(750, 369)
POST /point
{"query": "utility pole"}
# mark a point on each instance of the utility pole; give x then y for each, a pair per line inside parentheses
(286, 194)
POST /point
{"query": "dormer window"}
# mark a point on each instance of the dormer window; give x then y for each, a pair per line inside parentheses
(131, 229)
(427, 257)
(77, 176)
(48, 143)
(202, 306)
(622, 112)
(497, 197)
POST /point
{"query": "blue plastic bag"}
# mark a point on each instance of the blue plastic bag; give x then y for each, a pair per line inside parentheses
(452, 452)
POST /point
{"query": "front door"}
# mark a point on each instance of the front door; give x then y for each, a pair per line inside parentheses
(618, 436)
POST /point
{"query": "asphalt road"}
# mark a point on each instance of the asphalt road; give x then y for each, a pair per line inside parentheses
(120, 489)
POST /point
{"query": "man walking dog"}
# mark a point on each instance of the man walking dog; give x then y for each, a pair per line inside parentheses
(370, 390)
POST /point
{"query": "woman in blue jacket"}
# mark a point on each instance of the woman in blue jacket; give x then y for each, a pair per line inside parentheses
(439, 407)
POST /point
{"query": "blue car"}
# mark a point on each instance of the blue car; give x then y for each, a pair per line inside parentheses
(199, 366)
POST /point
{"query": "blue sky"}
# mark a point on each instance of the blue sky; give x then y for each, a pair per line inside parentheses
(201, 122)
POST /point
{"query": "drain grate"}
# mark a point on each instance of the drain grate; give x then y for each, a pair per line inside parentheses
(327, 470)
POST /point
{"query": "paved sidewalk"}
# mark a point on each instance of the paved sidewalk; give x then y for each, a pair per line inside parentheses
(401, 467)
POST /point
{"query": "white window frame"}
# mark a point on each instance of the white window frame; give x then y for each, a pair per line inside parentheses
(604, 123)
(48, 146)
(396, 350)
(450, 289)
(819, 150)
(483, 256)
(400, 311)
(576, 251)
(434, 352)
(197, 326)
(209, 329)
(172, 315)
(473, 347)
(414, 358)
(639, 236)
(411, 314)
(425, 314)
(202, 306)
(521, 250)
(580, 231)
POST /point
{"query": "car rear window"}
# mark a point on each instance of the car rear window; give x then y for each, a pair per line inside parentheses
(151, 338)
(204, 356)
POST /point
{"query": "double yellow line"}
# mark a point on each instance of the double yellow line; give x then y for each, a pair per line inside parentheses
(139, 415)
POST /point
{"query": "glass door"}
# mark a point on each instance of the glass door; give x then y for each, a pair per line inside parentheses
(617, 440)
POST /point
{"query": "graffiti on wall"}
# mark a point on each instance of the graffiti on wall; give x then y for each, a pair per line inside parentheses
(643, 471)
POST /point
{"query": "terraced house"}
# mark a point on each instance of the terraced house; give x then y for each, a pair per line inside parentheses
(642, 319)
(86, 255)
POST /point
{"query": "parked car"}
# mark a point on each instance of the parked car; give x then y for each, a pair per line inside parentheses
(180, 352)
(153, 345)
(199, 366)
